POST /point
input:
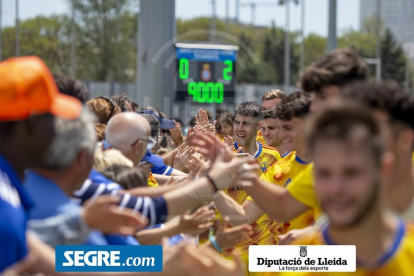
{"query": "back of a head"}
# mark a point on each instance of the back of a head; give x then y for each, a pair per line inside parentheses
(224, 119)
(347, 122)
(249, 109)
(71, 136)
(72, 87)
(273, 94)
(125, 128)
(100, 131)
(295, 105)
(154, 124)
(387, 96)
(127, 177)
(123, 101)
(103, 108)
(339, 67)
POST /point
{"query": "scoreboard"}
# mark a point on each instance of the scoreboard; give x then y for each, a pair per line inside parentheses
(205, 73)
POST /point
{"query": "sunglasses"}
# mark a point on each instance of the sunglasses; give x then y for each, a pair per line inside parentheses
(150, 143)
(111, 103)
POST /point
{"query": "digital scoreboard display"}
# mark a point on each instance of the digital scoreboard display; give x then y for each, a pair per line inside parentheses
(205, 73)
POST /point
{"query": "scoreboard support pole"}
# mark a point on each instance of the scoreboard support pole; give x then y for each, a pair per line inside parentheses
(155, 82)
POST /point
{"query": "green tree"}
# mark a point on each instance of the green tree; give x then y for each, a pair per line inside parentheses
(194, 30)
(362, 42)
(106, 40)
(393, 58)
(315, 47)
(274, 54)
(46, 37)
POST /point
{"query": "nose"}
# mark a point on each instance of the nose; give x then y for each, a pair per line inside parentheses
(336, 186)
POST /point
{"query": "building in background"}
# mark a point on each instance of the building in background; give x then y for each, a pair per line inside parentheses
(397, 15)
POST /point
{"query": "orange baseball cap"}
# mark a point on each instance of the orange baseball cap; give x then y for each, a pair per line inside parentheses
(27, 88)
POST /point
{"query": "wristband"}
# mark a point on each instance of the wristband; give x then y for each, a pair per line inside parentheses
(215, 244)
(212, 182)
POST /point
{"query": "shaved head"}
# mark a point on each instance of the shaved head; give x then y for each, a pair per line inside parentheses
(123, 130)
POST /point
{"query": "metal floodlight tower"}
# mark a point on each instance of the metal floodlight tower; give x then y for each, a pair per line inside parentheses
(287, 42)
(17, 42)
(155, 75)
(332, 35)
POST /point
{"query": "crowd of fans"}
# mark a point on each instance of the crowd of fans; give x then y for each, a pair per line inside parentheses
(324, 165)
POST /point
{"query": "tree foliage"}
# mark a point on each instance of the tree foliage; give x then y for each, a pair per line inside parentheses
(106, 34)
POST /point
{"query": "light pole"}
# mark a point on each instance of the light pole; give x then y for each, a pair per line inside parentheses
(287, 46)
(227, 16)
(213, 21)
(1, 29)
(332, 39)
(17, 45)
(378, 46)
(302, 44)
(287, 42)
(237, 11)
(72, 42)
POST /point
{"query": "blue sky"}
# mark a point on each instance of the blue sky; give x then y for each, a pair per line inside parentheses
(315, 22)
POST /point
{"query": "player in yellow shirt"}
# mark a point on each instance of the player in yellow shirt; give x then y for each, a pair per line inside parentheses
(270, 131)
(270, 100)
(392, 106)
(351, 168)
(264, 228)
(290, 114)
(290, 119)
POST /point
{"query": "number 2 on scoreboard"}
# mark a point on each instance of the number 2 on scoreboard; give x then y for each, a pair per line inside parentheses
(228, 70)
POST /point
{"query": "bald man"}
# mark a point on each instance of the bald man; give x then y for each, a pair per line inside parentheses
(131, 134)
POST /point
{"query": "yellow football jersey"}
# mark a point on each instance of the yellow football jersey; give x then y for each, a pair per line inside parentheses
(265, 230)
(412, 158)
(260, 138)
(303, 190)
(399, 260)
(281, 173)
(152, 182)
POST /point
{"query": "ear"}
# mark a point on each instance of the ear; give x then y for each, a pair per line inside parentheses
(387, 164)
(138, 147)
(406, 140)
(81, 158)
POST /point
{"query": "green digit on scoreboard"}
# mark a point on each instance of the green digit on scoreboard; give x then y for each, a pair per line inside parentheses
(192, 89)
(210, 87)
(209, 92)
(183, 69)
(201, 87)
(219, 87)
(228, 70)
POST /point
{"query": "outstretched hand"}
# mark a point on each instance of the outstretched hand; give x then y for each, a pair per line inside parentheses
(210, 146)
(103, 214)
(223, 172)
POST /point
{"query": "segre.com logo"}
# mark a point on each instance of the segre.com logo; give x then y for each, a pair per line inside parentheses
(108, 258)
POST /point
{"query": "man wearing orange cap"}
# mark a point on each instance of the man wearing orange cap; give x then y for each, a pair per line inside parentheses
(28, 101)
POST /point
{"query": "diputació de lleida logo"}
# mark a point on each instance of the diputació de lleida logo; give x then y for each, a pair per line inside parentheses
(303, 251)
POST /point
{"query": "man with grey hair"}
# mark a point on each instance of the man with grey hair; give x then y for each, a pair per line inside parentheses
(68, 163)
